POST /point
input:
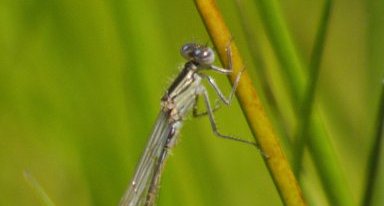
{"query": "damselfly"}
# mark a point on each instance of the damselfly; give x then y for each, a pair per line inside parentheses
(180, 98)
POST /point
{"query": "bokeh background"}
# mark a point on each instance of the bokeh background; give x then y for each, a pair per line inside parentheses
(80, 83)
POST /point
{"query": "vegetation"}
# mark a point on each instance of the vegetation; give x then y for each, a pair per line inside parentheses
(80, 83)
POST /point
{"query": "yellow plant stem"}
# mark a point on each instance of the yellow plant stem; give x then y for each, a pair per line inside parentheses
(260, 125)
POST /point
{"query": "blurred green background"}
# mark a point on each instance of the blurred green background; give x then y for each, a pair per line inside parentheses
(80, 84)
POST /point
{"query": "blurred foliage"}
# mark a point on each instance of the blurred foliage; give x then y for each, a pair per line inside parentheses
(80, 83)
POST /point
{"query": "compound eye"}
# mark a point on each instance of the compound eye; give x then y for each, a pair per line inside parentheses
(187, 51)
(205, 56)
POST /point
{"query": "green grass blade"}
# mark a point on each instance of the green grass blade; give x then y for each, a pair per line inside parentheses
(38, 189)
(320, 147)
(285, 50)
(374, 157)
(307, 105)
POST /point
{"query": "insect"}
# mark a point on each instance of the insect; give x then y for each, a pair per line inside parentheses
(177, 102)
